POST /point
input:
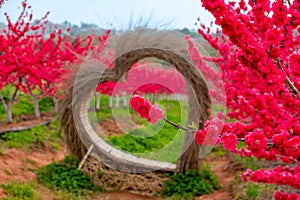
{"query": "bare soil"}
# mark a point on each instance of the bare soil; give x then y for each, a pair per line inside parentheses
(225, 174)
(2, 195)
(19, 165)
(121, 196)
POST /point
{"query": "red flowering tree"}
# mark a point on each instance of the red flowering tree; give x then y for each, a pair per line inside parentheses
(30, 61)
(152, 78)
(38, 64)
(144, 78)
(260, 61)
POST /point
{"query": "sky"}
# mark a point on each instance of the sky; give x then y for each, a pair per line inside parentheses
(115, 13)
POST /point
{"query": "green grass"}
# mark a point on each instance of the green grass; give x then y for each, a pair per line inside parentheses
(38, 137)
(252, 190)
(247, 163)
(65, 176)
(35, 191)
(159, 141)
(18, 191)
(217, 151)
(23, 104)
(191, 184)
(249, 190)
(106, 113)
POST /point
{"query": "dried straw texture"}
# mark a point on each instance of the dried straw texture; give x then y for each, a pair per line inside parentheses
(129, 48)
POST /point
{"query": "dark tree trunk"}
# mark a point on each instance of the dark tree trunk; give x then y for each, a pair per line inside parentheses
(189, 159)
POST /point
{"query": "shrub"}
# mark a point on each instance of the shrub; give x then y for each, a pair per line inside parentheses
(192, 183)
(65, 176)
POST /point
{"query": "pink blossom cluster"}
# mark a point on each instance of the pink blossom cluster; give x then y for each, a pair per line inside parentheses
(145, 109)
(211, 75)
(2, 2)
(285, 196)
(258, 54)
(278, 175)
(154, 79)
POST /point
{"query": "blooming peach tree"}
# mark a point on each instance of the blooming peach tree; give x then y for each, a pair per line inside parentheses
(259, 58)
(36, 63)
(29, 61)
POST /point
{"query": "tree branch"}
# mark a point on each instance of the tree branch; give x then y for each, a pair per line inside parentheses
(270, 144)
(179, 126)
(287, 80)
(14, 96)
(269, 53)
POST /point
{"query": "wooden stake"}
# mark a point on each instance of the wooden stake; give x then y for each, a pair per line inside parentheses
(85, 157)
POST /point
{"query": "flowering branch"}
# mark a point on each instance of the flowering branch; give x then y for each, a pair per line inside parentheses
(289, 82)
(143, 109)
(261, 74)
(178, 126)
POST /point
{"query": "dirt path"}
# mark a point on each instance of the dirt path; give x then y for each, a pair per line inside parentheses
(121, 196)
(220, 166)
(18, 165)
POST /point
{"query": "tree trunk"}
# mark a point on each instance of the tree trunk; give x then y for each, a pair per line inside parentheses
(125, 103)
(117, 101)
(189, 159)
(36, 106)
(98, 98)
(110, 101)
(55, 101)
(9, 113)
(8, 106)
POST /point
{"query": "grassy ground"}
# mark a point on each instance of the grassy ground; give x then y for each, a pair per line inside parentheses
(38, 137)
(159, 141)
